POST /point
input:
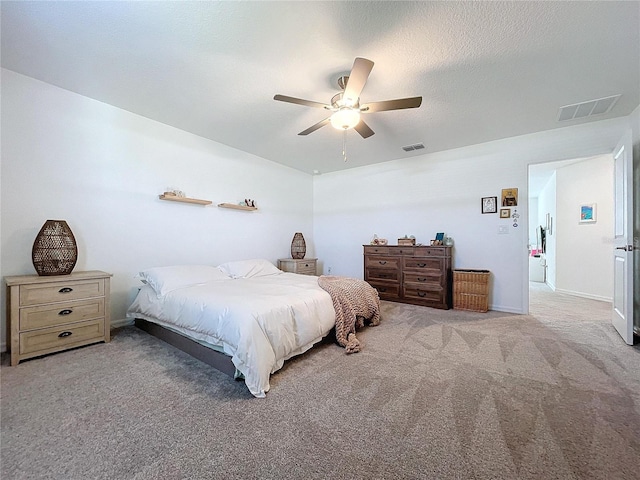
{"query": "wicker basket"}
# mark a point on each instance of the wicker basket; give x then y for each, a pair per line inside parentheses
(471, 290)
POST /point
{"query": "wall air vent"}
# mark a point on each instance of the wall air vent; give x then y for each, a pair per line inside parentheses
(588, 108)
(410, 148)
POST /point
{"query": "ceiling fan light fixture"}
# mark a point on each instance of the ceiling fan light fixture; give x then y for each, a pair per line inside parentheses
(345, 118)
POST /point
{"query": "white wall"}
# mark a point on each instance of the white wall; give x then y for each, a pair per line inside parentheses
(101, 169)
(584, 263)
(635, 138)
(441, 192)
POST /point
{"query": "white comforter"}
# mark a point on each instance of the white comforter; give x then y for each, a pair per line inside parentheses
(260, 322)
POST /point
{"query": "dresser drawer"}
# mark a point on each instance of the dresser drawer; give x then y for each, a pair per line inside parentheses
(383, 274)
(382, 262)
(418, 264)
(426, 277)
(36, 294)
(375, 250)
(402, 251)
(61, 313)
(431, 292)
(386, 290)
(65, 336)
(431, 251)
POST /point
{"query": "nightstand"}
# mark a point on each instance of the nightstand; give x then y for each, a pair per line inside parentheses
(303, 266)
(47, 314)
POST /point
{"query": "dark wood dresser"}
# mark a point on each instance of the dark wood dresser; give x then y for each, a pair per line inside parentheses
(420, 275)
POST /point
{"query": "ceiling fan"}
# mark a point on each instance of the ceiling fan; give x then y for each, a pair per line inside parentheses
(346, 106)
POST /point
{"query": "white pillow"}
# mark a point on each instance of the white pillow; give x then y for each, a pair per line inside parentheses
(249, 268)
(166, 279)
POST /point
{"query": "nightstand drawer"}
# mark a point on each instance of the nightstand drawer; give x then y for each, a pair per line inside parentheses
(64, 336)
(36, 294)
(60, 313)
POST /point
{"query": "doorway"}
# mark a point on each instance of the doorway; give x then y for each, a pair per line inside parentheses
(567, 255)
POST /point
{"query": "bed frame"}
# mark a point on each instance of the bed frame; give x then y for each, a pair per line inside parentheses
(216, 359)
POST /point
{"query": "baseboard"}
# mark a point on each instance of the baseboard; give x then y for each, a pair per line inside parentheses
(585, 295)
(500, 308)
(123, 322)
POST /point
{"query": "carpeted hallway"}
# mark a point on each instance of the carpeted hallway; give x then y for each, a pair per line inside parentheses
(434, 394)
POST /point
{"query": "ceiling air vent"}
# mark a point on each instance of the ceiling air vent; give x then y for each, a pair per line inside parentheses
(588, 108)
(409, 148)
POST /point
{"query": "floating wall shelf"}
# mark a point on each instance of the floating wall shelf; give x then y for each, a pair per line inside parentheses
(236, 207)
(172, 198)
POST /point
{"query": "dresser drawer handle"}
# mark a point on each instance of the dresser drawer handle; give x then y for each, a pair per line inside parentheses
(65, 334)
(422, 279)
(422, 265)
(382, 262)
(422, 294)
(65, 290)
(66, 311)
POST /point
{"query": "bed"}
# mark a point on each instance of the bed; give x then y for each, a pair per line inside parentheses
(248, 311)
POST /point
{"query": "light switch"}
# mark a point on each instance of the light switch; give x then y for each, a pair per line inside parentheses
(503, 229)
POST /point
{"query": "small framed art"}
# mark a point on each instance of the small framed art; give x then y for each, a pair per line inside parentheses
(505, 212)
(489, 204)
(588, 213)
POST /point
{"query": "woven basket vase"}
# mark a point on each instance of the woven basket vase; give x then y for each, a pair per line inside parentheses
(54, 251)
(298, 246)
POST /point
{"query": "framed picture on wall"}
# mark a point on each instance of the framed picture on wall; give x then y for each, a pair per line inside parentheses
(489, 204)
(505, 212)
(509, 197)
(588, 213)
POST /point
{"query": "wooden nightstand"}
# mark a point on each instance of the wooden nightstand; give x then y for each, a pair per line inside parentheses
(303, 266)
(52, 313)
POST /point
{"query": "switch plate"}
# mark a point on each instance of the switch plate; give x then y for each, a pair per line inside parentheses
(503, 229)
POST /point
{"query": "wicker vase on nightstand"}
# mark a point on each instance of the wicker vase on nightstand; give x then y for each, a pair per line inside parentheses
(54, 251)
(298, 246)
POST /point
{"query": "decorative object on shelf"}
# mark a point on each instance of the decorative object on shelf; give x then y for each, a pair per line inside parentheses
(175, 198)
(248, 203)
(489, 204)
(378, 241)
(236, 207)
(448, 241)
(439, 240)
(588, 213)
(174, 192)
(298, 246)
(505, 212)
(509, 197)
(54, 250)
(407, 240)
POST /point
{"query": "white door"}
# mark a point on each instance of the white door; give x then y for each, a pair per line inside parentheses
(622, 317)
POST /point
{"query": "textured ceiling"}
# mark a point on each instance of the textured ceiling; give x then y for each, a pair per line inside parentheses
(485, 70)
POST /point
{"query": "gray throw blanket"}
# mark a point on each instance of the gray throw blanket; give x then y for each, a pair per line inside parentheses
(354, 301)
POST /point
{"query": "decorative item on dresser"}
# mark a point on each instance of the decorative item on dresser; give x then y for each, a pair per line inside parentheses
(54, 250)
(298, 246)
(54, 313)
(298, 265)
(420, 275)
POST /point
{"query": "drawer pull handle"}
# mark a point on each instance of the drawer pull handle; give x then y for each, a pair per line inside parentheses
(422, 294)
(422, 279)
(65, 334)
(65, 290)
(422, 265)
(66, 311)
(306, 264)
(381, 262)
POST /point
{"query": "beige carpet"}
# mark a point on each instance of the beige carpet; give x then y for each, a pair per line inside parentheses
(434, 395)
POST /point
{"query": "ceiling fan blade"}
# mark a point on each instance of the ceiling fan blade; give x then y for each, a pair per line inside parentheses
(397, 104)
(363, 129)
(357, 78)
(300, 101)
(315, 127)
